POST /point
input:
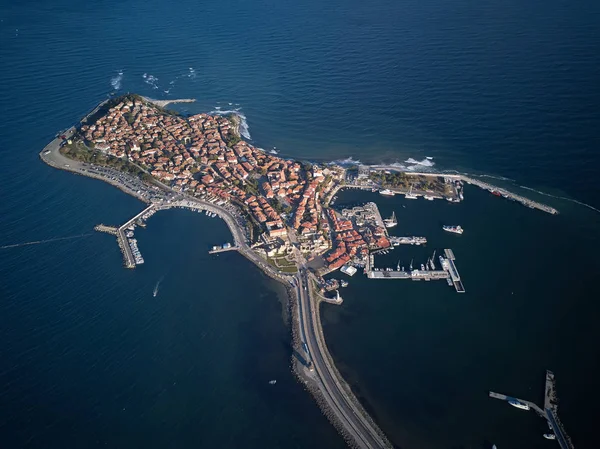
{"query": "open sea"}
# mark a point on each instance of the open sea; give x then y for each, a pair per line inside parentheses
(90, 358)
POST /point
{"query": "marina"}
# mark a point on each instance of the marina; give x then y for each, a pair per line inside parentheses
(427, 271)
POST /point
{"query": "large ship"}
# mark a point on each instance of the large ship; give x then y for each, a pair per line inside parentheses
(518, 404)
(391, 222)
(386, 192)
(455, 229)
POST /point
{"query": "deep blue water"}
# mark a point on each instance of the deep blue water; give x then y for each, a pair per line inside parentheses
(90, 358)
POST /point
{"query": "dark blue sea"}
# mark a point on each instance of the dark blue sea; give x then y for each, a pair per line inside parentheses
(90, 358)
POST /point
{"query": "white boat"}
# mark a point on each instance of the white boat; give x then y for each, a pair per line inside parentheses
(386, 192)
(428, 197)
(454, 229)
(349, 270)
(410, 195)
(550, 436)
(272, 382)
(391, 222)
(518, 404)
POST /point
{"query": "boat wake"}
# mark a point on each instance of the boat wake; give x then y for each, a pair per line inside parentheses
(155, 292)
(37, 242)
(581, 203)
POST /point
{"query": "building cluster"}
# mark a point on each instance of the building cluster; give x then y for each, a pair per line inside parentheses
(201, 155)
(352, 243)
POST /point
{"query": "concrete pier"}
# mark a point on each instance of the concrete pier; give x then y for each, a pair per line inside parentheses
(549, 412)
(223, 250)
(107, 229)
(448, 271)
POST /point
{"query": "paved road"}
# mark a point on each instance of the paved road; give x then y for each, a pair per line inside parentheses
(352, 419)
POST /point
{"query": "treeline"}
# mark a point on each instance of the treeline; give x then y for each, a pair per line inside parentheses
(79, 152)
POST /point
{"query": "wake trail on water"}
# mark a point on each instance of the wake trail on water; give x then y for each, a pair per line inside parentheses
(558, 197)
(37, 242)
(581, 203)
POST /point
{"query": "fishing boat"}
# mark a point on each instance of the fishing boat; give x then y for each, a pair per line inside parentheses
(391, 222)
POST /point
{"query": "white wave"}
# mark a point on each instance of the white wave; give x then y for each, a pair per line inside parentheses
(424, 163)
(244, 129)
(501, 178)
(397, 165)
(150, 80)
(115, 81)
(274, 151)
(347, 161)
(581, 203)
(192, 73)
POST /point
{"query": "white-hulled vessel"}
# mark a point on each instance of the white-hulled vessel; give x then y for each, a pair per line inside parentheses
(386, 192)
(550, 436)
(391, 222)
(518, 404)
(410, 195)
(454, 229)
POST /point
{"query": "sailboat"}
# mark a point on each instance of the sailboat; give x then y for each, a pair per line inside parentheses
(391, 222)
(410, 195)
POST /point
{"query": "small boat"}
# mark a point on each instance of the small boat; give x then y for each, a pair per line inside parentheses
(550, 436)
(155, 292)
(422, 267)
(344, 283)
(495, 193)
(518, 404)
(386, 192)
(272, 382)
(454, 229)
(428, 197)
(391, 222)
(410, 195)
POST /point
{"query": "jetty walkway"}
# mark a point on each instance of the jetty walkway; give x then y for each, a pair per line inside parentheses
(549, 412)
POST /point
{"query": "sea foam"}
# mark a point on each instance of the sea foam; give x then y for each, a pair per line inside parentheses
(115, 81)
(244, 128)
(150, 80)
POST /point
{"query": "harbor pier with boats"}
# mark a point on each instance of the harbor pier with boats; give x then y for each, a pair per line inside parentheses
(427, 272)
(549, 412)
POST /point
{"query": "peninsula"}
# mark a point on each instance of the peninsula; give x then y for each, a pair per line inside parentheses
(278, 210)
